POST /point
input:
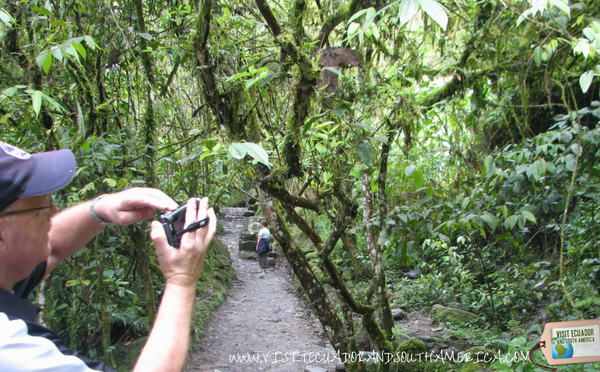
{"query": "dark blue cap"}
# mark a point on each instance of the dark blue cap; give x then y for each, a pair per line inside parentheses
(23, 174)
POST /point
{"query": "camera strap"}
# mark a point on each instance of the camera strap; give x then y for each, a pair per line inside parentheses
(192, 227)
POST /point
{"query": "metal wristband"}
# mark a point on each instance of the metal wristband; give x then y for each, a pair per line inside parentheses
(95, 215)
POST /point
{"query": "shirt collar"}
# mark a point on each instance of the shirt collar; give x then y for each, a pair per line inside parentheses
(16, 307)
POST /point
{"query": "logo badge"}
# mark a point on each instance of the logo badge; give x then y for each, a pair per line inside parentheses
(15, 151)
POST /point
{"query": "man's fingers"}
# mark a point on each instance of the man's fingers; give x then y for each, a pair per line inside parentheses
(197, 210)
(212, 225)
(157, 233)
(144, 197)
(191, 212)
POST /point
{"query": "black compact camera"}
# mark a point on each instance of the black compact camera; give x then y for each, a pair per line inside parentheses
(173, 223)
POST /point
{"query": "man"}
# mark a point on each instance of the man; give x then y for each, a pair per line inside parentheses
(34, 239)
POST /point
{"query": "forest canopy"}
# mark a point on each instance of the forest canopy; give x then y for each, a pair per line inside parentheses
(456, 139)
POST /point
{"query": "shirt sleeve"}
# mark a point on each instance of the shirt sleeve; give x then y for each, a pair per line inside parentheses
(264, 233)
(20, 352)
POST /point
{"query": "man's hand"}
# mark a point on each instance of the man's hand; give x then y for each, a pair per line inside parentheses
(183, 266)
(167, 345)
(132, 205)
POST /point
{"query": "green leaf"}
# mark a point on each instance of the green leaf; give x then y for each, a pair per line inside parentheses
(570, 160)
(369, 16)
(44, 61)
(339, 111)
(335, 71)
(585, 80)
(109, 273)
(36, 101)
(110, 182)
(562, 5)
(90, 41)
(409, 170)
(210, 144)
(353, 28)
(9, 92)
(582, 47)
(355, 172)
(537, 56)
(57, 53)
(6, 18)
(55, 104)
(364, 126)
(505, 236)
(71, 52)
(41, 11)
(357, 15)
(146, 36)
(424, 200)
(258, 153)
(489, 166)
(490, 219)
(375, 31)
(258, 78)
(121, 183)
(589, 33)
(565, 136)
(80, 49)
(309, 122)
(240, 150)
(528, 216)
(237, 76)
(436, 11)
(237, 150)
(407, 10)
(323, 125)
(511, 221)
(366, 153)
(536, 170)
(270, 77)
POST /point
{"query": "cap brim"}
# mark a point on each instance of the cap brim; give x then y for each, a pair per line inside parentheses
(54, 170)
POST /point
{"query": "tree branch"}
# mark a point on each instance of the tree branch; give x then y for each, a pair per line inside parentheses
(222, 105)
(274, 187)
(269, 17)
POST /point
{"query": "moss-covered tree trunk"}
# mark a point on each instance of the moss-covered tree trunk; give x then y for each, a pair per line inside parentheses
(140, 244)
(102, 298)
(332, 325)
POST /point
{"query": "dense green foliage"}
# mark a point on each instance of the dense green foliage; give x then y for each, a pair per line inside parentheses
(456, 138)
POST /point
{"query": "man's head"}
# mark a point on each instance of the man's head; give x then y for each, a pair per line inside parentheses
(24, 175)
(26, 207)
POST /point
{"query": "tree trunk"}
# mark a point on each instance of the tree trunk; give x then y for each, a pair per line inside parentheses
(325, 311)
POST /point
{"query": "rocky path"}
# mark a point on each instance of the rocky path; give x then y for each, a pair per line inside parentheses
(263, 325)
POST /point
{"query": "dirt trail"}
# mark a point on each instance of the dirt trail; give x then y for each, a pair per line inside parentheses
(263, 325)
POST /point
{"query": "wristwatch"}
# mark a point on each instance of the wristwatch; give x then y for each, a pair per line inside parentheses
(95, 215)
